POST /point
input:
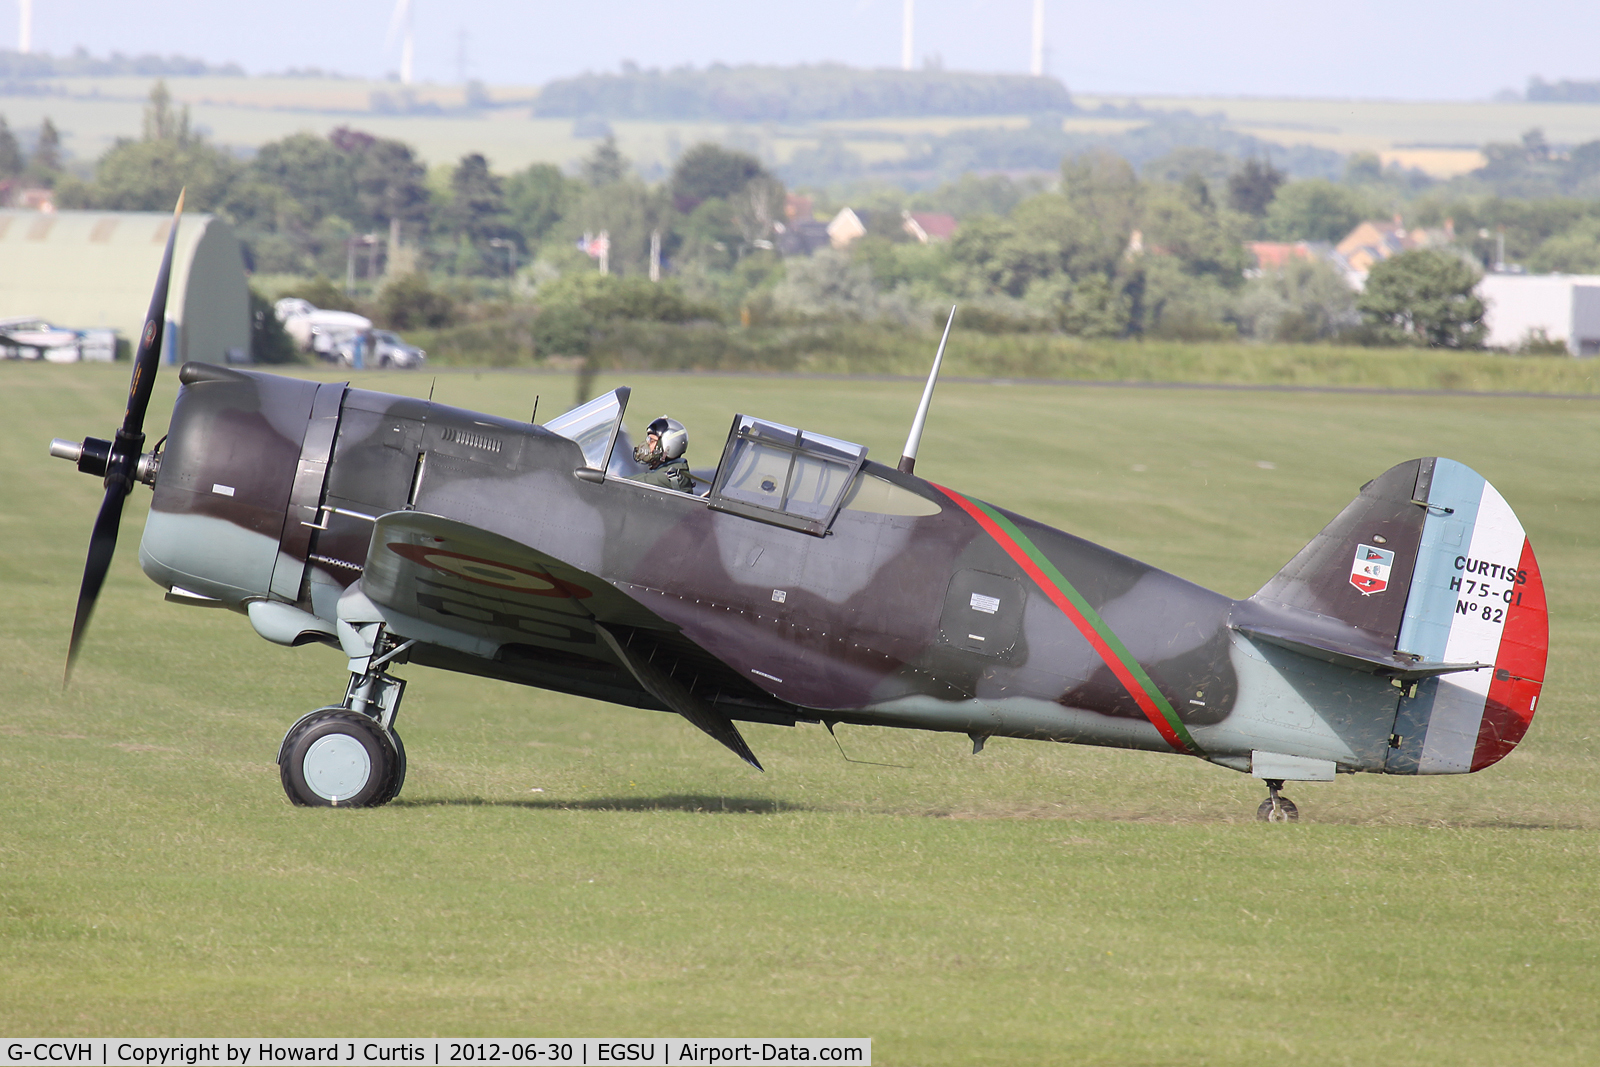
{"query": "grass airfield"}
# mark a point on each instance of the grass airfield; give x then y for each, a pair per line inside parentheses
(557, 867)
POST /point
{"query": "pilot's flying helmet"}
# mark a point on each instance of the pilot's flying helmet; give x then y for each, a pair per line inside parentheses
(674, 438)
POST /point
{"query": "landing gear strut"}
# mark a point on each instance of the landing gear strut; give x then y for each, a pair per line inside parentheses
(348, 755)
(1277, 808)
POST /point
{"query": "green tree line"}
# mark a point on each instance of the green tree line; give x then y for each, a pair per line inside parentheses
(80, 64)
(1102, 249)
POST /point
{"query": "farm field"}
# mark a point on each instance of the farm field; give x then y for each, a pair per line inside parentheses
(509, 138)
(1440, 137)
(560, 867)
(1388, 123)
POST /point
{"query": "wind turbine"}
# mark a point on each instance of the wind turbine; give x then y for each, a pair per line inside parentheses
(24, 26)
(906, 17)
(400, 24)
(1038, 38)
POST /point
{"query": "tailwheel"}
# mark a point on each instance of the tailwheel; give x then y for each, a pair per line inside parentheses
(1277, 808)
(339, 758)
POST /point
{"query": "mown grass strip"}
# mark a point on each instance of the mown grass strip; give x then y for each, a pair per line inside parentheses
(562, 867)
(868, 349)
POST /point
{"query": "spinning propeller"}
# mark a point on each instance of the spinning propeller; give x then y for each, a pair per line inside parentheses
(120, 461)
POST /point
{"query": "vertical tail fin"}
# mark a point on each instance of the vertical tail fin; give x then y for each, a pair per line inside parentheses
(1426, 577)
(1357, 570)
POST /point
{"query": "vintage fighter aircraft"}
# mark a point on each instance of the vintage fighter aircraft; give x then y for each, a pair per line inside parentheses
(805, 584)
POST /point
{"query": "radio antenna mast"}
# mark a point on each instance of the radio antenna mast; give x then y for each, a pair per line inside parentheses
(908, 459)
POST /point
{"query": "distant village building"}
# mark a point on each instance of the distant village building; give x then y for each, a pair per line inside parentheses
(1275, 255)
(87, 269)
(1371, 242)
(800, 234)
(850, 225)
(846, 228)
(1374, 241)
(928, 226)
(1519, 308)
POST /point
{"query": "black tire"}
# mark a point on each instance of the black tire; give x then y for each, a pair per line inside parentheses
(397, 773)
(1286, 812)
(337, 758)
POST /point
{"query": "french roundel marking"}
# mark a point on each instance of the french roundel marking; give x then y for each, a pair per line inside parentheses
(489, 572)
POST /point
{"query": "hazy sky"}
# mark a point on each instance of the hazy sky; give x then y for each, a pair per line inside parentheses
(1418, 49)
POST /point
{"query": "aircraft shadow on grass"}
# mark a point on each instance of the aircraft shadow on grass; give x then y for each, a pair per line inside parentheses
(695, 804)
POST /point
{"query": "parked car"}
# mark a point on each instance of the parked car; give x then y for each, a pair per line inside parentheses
(381, 348)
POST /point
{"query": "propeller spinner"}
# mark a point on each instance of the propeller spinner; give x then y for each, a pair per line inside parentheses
(122, 460)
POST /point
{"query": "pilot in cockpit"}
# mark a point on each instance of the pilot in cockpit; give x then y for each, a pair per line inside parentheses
(663, 450)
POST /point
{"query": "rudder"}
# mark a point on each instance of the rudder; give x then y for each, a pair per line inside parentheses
(1427, 578)
(1476, 595)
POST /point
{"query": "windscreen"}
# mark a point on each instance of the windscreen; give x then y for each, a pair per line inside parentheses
(593, 425)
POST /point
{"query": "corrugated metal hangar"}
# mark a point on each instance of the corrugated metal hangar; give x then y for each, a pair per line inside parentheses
(87, 269)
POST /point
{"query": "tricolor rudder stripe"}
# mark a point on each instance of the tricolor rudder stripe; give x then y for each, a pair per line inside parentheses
(1107, 645)
(1519, 667)
(1476, 597)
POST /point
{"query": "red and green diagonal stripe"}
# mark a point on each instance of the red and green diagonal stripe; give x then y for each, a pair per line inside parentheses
(1106, 644)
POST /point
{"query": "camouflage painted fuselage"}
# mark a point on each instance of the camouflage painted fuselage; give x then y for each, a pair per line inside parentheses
(918, 608)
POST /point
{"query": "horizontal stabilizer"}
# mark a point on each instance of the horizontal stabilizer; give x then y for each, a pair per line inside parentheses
(1392, 665)
(676, 695)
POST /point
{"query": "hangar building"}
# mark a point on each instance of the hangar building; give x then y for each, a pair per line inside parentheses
(89, 269)
(1565, 306)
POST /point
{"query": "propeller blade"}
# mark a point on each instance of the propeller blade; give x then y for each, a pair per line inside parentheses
(102, 545)
(123, 458)
(148, 356)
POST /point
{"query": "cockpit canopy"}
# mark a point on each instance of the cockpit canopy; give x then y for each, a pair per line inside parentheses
(769, 472)
(782, 475)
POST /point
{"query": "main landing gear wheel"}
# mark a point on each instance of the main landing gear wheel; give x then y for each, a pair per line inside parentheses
(397, 776)
(1277, 808)
(338, 758)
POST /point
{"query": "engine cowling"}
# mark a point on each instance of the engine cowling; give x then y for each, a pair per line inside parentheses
(239, 484)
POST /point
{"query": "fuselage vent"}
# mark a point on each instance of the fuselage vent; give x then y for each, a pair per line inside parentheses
(472, 439)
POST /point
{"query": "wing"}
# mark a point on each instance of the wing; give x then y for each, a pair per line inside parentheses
(493, 588)
(511, 595)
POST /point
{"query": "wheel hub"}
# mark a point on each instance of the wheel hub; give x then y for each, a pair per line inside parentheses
(336, 766)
